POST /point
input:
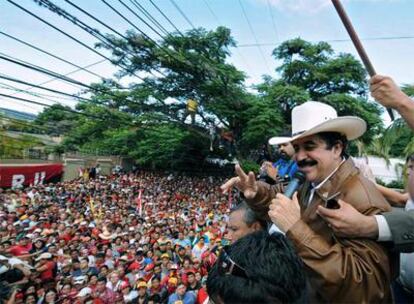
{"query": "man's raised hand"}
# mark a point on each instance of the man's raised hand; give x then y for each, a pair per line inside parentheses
(246, 183)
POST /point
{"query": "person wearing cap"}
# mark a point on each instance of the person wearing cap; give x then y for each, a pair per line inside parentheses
(142, 296)
(339, 269)
(46, 267)
(128, 295)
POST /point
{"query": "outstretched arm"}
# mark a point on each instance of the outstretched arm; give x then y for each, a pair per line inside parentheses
(387, 93)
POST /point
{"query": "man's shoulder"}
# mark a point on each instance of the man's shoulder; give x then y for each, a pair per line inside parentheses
(363, 194)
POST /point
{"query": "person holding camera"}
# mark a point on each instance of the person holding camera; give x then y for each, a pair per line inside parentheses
(284, 167)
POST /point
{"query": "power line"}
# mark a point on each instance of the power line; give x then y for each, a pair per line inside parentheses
(166, 18)
(273, 20)
(51, 73)
(92, 31)
(165, 50)
(75, 71)
(39, 95)
(43, 88)
(219, 23)
(331, 41)
(149, 16)
(50, 54)
(254, 35)
(20, 122)
(69, 36)
(182, 13)
(67, 74)
(42, 70)
(108, 27)
(140, 18)
(48, 106)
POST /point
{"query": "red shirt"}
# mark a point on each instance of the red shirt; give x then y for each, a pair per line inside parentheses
(19, 250)
(48, 273)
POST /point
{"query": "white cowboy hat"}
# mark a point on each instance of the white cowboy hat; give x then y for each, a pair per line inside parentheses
(314, 117)
(274, 141)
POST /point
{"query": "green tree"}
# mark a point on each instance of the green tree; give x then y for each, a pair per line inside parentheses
(311, 71)
(56, 120)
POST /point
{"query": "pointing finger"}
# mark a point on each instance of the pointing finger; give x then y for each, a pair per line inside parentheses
(240, 173)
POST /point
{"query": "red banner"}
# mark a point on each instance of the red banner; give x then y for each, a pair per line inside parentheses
(28, 174)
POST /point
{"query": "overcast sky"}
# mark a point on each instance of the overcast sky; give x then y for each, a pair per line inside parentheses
(271, 22)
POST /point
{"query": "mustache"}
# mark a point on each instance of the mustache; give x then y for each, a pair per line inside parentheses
(306, 162)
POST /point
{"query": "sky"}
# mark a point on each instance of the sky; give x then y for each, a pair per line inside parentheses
(386, 28)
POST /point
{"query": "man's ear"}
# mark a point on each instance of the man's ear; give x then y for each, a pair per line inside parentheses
(256, 226)
(338, 148)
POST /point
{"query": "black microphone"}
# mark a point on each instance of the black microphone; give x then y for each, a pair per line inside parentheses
(296, 181)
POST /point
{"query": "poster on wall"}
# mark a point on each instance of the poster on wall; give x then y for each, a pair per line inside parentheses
(17, 176)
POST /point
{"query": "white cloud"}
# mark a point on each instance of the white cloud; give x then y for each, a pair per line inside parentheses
(310, 6)
(299, 5)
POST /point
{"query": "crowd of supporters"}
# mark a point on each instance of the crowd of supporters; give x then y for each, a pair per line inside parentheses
(128, 238)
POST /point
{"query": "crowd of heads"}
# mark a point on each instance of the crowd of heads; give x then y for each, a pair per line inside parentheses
(128, 238)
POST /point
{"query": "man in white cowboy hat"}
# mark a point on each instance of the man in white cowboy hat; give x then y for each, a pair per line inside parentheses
(339, 269)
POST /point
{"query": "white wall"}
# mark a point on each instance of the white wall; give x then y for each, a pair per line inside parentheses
(380, 169)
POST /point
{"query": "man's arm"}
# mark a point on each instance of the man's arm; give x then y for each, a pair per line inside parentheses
(258, 194)
(349, 222)
(401, 224)
(386, 92)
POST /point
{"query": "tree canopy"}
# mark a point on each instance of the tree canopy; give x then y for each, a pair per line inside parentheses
(147, 120)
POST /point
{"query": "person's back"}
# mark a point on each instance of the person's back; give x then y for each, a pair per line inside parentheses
(258, 268)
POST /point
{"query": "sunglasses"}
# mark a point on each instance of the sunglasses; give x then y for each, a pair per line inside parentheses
(226, 266)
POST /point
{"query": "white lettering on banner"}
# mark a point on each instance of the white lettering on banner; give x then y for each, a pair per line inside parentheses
(39, 178)
(17, 180)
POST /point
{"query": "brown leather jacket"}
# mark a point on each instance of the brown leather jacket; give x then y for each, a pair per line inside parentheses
(340, 270)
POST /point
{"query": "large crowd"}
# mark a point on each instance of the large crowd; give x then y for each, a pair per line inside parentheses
(127, 238)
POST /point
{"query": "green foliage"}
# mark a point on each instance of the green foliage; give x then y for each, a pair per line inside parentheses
(313, 72)
(314, 68)
(248, 165)
(16, 147)
(56, 120)
(146, 121)
(167, 146)
(408, 89)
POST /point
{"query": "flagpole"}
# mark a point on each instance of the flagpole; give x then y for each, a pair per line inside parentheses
(357, 43)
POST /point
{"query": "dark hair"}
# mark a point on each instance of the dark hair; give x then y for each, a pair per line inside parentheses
(275, 274)
(102, 279)
(249, 217)
(409, 158)
(332, 138)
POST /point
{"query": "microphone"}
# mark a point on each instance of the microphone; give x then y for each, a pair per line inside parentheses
(297, 180)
